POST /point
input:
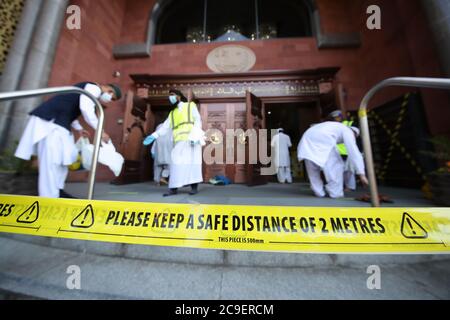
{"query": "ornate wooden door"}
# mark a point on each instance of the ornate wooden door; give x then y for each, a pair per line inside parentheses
(220, 121)
(136, 125)
(255, 122)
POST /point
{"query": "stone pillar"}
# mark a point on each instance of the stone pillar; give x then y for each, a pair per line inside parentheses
(38, 63)
(438, 14)
(16, 59)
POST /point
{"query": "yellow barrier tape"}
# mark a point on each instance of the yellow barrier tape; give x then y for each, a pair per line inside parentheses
(230, 227)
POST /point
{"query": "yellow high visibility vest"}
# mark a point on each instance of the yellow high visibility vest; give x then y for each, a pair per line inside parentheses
(341, 147)
(182, 122)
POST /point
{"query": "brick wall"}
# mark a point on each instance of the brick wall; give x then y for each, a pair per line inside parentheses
(85, 55)
(403, 47)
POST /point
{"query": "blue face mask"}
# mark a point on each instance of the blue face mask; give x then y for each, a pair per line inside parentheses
(173, 99)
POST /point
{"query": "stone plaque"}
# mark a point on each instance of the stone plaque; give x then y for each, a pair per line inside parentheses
(231, 59)
(237, 90)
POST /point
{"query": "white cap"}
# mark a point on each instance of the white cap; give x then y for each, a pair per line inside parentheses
(335, 114)
(355, 130)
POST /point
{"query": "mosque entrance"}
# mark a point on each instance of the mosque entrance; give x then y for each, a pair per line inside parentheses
(241, 101)
(294, 118)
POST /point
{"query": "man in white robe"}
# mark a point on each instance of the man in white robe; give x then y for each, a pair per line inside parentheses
(186, 159)
(349, 169)
(281, 143)
(318, 148)
(48, 134)
(161, 154)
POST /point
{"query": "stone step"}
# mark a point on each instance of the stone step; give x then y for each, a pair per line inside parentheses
(41, 272)
(224, 257)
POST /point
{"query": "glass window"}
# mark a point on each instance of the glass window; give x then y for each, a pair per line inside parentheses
(283, 19)
(197, 21)
(230, 20)
(177, 19)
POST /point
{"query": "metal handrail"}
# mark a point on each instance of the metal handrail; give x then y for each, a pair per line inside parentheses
(434, 83)
(60, 90)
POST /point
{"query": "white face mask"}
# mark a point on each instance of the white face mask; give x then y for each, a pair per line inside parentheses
(106, 97)
(173, 99)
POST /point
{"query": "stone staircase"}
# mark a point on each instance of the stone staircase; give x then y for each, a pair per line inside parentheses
(36, 267)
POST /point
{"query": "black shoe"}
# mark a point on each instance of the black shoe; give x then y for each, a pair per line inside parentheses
(194, 191)
(170, 193)
(65, 195)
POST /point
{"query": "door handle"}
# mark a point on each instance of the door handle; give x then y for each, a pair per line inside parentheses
(242, 138)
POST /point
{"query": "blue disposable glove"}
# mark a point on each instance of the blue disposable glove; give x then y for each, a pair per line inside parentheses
(149, 140)
(193, 143)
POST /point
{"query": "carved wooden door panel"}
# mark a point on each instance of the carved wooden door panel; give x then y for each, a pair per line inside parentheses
(217, 118)
(238, 121)
(214, 119)
(136, 125)
(255, 122)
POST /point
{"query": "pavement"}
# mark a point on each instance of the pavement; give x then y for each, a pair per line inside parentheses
(297, 194)
(33, 270)
(37, 267)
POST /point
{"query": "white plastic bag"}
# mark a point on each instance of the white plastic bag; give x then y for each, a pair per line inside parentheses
(111, 158)
(82, 145)
(107, 155)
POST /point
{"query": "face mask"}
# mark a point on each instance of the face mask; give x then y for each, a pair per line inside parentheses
(106, 97)
(173, 99)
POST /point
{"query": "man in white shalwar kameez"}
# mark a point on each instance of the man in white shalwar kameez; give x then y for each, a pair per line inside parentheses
(161, 152)
(318, 148)
(186, 159)
(48, 134)
(281, 143)
(349, 169)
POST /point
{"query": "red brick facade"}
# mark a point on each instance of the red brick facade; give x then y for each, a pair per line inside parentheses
(403, 47)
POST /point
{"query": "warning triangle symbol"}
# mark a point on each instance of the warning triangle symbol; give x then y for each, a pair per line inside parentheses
(411, 229)
(85, 219)
(30, 215)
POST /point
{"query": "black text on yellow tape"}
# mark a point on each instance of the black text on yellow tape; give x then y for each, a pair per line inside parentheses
(289, 229)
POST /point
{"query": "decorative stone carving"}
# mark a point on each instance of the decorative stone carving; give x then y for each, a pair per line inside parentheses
(231, 59)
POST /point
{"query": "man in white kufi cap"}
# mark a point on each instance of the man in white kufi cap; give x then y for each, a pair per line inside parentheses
(318, 148)
(281, 143)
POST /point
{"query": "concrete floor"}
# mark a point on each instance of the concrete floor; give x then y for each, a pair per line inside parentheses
(297, 194)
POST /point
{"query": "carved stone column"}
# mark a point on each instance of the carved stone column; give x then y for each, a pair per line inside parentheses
(38, 63)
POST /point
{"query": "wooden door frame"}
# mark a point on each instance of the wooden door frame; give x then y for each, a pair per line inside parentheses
(274, 86)
(253, 179)
(280, 100)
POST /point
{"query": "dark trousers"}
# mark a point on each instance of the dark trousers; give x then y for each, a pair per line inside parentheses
(194, 187)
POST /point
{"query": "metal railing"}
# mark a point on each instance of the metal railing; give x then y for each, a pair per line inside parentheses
(434, 83)
(61, 90)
